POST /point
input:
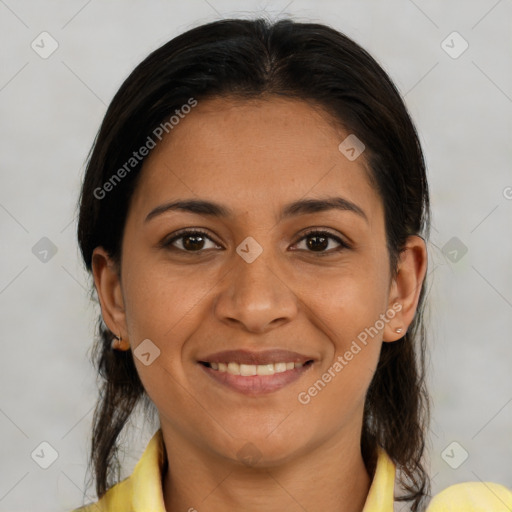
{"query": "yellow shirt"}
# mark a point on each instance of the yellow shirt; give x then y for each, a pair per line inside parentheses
(142, 491)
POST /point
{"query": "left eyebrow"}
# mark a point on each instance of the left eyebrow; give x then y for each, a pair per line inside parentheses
(305, 206)
(300, 207)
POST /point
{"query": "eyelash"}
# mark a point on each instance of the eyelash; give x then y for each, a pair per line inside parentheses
(167, 243)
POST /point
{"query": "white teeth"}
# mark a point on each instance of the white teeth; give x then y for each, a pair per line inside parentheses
(265, 369)
(247, 370)
(280, 367)
(234, 368)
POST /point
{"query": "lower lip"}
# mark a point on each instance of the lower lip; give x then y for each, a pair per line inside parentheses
(256, 384)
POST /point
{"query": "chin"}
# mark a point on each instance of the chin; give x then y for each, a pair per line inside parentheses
(260, 452)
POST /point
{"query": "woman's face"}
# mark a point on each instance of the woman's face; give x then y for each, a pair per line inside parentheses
(255, 293)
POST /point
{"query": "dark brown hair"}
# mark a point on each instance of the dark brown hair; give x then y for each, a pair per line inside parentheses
(250, 59)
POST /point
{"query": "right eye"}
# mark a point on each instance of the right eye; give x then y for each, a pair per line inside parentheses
(190, 241)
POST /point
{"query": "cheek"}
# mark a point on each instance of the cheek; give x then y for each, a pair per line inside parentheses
(160, 301)
(347, 311)
(350, 300)
(348, 308)
(163, 305)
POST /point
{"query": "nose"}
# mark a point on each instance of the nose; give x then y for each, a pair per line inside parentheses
(256, 295)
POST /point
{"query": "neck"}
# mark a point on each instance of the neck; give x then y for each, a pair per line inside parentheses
(332, 478)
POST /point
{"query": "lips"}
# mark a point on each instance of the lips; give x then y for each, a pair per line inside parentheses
(256, 358)
(255, 373)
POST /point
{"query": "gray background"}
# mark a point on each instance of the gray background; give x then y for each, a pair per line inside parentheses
(50, 111)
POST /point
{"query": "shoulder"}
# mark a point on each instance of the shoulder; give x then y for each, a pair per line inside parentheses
(472, 497)
(142, 490)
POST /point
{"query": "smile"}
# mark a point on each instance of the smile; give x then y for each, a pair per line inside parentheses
(255, 373)
(249, 370)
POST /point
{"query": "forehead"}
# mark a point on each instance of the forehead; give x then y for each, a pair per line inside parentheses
(254, 153)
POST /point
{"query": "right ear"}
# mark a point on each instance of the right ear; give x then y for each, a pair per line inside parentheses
(108, 287)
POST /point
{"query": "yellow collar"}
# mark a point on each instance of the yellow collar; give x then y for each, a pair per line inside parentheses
(380, 497)
(142, 491)
(147, 478)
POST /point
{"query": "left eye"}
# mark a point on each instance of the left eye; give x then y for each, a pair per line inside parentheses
(318, 241)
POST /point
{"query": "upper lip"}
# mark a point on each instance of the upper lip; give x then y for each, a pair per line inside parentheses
(256, 358)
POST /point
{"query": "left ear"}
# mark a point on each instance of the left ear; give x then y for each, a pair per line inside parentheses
(406, 287)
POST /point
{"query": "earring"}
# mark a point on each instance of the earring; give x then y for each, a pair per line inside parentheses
(399, 330)
(119, 344)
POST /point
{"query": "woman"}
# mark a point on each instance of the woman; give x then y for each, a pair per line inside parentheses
(255, 214)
